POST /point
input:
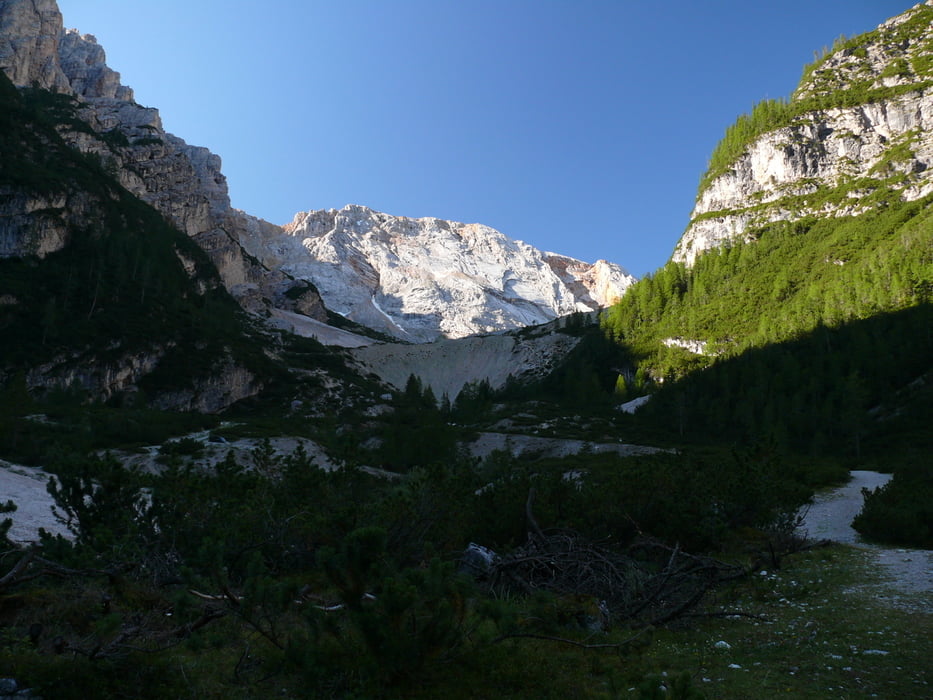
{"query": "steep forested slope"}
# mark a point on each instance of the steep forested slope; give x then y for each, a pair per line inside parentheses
(857, 132)
(99, 292)
(798, 308)
(794, 278)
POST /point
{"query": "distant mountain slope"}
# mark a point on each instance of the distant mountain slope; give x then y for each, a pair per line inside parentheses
(856, 134)
(186, 185)
(423, 279)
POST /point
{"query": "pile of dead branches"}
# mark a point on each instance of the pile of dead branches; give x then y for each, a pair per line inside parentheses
(648, 584)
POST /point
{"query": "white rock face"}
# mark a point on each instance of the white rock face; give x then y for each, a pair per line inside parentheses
(883, 143)
(448, 365)
(423, 279)
(697, 347)
(85, 65)
(416, 280)
(30, 32)
(38, 224)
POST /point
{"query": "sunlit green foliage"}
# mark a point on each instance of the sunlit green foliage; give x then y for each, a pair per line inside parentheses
(793, 279)
(821, 89)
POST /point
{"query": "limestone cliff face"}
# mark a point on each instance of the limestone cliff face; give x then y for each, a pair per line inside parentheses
(183, 182)
(39, 224)
(423, 279)
(30, 33)
(414, 279)
(860, 124)
(105, 375)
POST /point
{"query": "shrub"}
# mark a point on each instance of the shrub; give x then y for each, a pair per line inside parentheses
(900, 512)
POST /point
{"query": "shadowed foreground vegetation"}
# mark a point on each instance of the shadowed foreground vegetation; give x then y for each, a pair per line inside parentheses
(286, 580)
(614, 576)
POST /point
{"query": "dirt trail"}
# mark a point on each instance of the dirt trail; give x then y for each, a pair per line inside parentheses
(909, 571)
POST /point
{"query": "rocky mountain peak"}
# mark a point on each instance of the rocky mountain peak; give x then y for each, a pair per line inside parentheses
(880, 59)
(85, 64)
(858, 128)
(415, 279)
(36, 50)
(423, 279)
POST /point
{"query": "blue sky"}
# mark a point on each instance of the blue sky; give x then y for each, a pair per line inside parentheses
(579, 126)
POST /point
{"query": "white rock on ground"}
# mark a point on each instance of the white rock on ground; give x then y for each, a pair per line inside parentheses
(25, 486)
(517, 445)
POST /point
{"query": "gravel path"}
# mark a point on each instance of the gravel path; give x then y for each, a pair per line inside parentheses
(909, 572)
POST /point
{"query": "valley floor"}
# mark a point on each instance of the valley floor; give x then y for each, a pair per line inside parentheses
(908, 572)
(838, 621)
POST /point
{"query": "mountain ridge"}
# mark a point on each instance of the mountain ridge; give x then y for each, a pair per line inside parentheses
(185, 183)
(857, 129)
(428, 278)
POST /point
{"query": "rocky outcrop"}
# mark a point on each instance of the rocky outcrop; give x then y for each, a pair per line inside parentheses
(85, 65)
(183, 182)
(448, 365)
(92, 373)
(30, 33)
(36, 224)
(111, 374)
(227, 384)
(413, 279)
(861, 122)
(424, 279)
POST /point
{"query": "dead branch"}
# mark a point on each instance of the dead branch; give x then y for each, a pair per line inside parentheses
(227, 596)
(533, 527)
(650, 584)
(31, 566)
(631, 641)
(141, 638)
